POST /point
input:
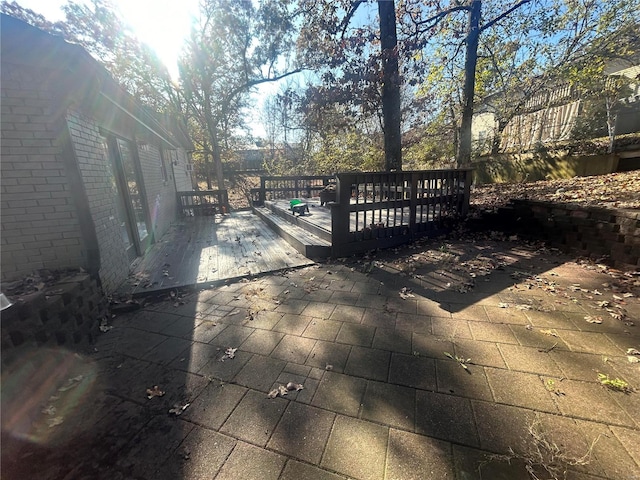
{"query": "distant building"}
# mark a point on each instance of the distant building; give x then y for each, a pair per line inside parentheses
(549, 116)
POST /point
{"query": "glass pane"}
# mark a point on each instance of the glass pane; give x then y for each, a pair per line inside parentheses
(134, 190)
(121, 212)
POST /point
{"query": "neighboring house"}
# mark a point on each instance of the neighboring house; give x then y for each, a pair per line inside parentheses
(550, 116)
(89, 176)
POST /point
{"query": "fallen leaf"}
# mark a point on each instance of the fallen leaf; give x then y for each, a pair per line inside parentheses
(633, 351)
(49, 410)
(591, 319)
(503, 305)
(550, 332)
(54, 422)
(273, 393)
(71, 383)
(524, 306)
(633, 359)
(178, 408)
(406, 293)
(229, 353)
(294, 386)
(154, 392)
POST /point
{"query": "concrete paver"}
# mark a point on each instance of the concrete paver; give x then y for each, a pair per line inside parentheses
(356, 448)
(329, 353)
(447, 417)
(339, 393)
(255, 418)
(296, 470)
(412, 371)
(252, 463)
(471, 383)
(415, 457)
(380, 398)
(368, 363)
(302, 432)
(377, 407)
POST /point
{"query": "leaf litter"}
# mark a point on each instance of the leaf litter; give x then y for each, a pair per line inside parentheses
(461, 360)
(155, 392)
(283, 390)
(228, 354)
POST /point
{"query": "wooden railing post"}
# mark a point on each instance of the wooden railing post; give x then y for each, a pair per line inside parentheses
(262, 194)
(467, 191)
(413, 202)
(340, 213)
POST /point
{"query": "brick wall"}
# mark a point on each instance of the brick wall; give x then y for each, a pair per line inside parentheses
(68, 314)
(40, 228)
(161, 194)
(586, 231)
(97, 179)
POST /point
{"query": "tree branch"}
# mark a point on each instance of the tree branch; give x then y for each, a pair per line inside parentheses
(256, 82)
(347, 19)
(491, 23)
(440, 15)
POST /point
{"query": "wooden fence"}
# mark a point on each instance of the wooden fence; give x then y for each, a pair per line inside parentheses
(203, 202)
(379, 210)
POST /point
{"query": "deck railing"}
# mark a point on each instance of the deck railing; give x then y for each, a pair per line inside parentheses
(203, 202)
(273, 188)
(378, 210)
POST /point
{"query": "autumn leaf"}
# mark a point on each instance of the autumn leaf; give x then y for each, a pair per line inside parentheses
(154, 392)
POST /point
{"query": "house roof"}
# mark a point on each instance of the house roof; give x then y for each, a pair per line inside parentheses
(82, 78)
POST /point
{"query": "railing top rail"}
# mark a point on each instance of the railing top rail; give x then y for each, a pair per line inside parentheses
(297, 177)
(409, 172)
(201, 192)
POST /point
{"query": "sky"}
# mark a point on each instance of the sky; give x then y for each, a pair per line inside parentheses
(162, 24)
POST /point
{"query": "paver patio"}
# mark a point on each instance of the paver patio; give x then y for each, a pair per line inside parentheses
(382, 397)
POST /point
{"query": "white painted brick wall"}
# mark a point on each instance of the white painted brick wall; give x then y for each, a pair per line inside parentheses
(95, 169)
(161, 196)
(39, 225)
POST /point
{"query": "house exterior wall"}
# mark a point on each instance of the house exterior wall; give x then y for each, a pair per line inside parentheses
(95, 169)
(483, 127)
(160, 193)
(60, 205)
(40, 228)
(181, 172)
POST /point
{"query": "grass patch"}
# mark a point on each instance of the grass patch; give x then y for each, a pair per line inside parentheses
(543, 458)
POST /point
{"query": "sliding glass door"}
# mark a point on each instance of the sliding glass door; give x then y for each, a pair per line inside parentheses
(126, 186)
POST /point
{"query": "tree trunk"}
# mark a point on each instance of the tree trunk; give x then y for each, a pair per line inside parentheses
(496, 142)
(470, 62)
(207, 168)
(390, 86)
(217, 157)
(612, 118)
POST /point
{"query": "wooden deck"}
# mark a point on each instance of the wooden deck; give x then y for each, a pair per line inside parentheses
(204, 250)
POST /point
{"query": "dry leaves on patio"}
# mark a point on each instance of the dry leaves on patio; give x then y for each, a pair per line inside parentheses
(283, 390)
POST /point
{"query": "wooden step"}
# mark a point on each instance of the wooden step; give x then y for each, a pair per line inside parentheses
(305, 242)
(319, 214)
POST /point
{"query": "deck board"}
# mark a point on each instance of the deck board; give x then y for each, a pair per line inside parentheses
(204, 250)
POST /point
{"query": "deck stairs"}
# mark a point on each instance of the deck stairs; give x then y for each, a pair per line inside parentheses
(307, 238)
